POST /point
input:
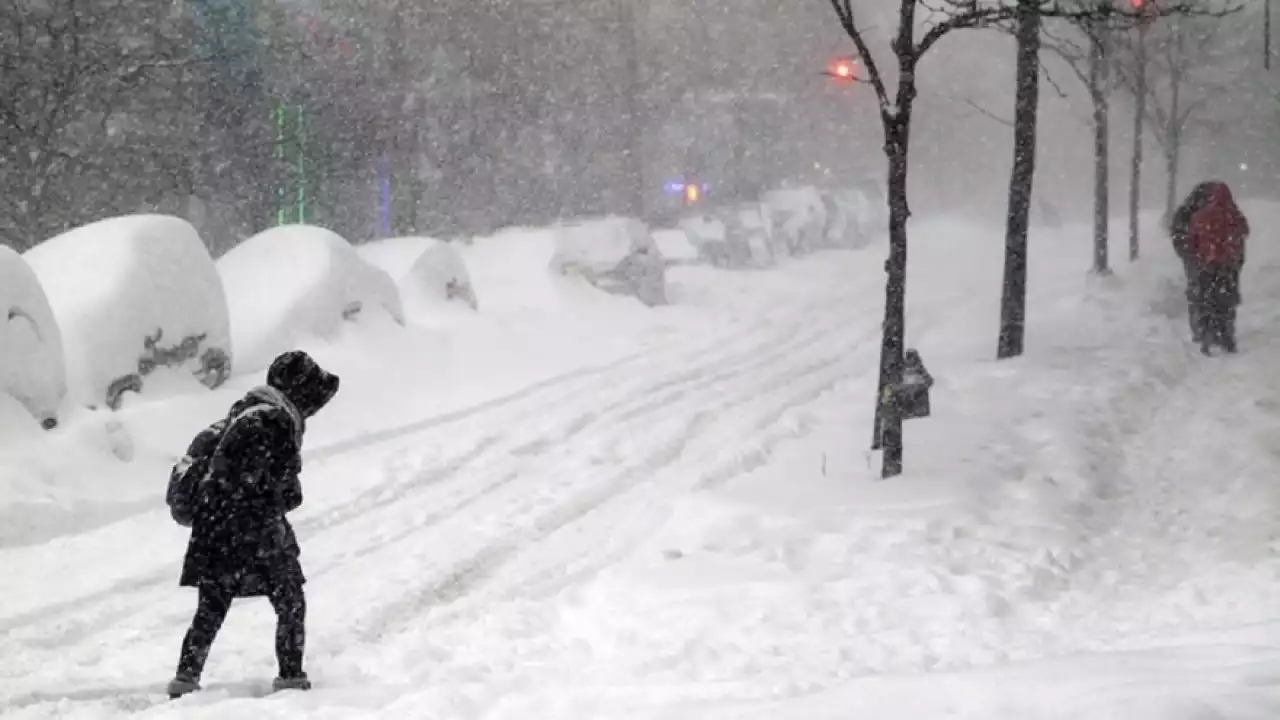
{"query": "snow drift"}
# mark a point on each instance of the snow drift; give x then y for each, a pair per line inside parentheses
(430, 273)
(298, 281)
(131, 294)
(32, 368)
(616, 254)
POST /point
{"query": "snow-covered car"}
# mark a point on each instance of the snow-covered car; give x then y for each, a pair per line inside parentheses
(297, 281)
(616, 254)
(131, 294)
(32, 367)
(748, 224)
(429, 272)
(799, 216)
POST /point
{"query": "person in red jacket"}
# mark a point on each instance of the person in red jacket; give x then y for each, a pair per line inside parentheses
(1216, 234)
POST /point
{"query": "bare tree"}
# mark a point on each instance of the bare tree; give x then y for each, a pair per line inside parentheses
(1087, 50)
(69, 70)
(1185, 69)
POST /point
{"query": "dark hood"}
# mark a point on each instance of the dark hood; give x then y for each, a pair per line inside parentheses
(300, 379)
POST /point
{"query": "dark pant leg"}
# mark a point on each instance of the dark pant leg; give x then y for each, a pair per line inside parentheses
(214, 603)
(1194, 319)
(290, 603)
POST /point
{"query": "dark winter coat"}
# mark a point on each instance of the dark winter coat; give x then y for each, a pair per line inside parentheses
(1217, 231)
(240, 537)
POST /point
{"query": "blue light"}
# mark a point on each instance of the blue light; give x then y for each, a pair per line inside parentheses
(673, 188)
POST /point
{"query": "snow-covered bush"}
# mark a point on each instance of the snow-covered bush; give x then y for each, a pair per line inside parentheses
(615, 254)
(798, 216)
(429, 272)
(297, 281)
(32, 368)
(131, 294)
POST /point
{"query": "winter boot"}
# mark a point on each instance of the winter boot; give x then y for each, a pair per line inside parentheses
(181, 685)
(299, 682)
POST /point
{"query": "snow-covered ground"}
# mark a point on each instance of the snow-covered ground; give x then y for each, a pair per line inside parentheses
(584, 508)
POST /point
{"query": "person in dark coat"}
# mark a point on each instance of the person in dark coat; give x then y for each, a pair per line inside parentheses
(1216, 234)
(1180, 234)
(242, 545)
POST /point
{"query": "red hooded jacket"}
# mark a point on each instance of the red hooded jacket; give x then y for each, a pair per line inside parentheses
(1217, 230)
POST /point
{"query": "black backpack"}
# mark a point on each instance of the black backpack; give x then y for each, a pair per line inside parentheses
(185, 477)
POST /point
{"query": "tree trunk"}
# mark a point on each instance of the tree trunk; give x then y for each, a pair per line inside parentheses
(1135, 165)
(896, 120)
(1101, 153)
(1173, 131)
(888, 410)
(1013, 298)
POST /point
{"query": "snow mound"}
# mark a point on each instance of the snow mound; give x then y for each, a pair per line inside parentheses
(298, 281)
(616, 254)
(430, 273)
(131, 294)
(32, 368)
(799, 216)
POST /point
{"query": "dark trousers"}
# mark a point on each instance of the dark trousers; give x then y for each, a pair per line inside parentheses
(290, 604)
(1217, 295)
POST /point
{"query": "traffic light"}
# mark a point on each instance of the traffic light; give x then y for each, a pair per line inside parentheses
(843, 68)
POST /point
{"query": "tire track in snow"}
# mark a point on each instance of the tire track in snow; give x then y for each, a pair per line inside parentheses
(695, 408)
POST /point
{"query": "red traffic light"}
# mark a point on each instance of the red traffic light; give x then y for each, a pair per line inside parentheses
(843, 68)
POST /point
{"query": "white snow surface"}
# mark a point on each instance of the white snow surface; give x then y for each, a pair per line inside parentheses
(32, 367)
(582, 508)
(114, 283)
(294, 282)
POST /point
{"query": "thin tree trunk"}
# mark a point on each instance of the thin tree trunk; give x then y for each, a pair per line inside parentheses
(1173, 131)
(1135, 167)
(1101, 154)
(897, 129)
(893, 343)
(1013, 298)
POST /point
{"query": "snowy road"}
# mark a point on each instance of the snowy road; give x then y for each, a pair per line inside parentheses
(416, 533)
(686, 531)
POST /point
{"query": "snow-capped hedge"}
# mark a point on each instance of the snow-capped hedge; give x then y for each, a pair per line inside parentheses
(297, 281)
(429, 272)
(130, 294)
(616, 254)
(32, 367)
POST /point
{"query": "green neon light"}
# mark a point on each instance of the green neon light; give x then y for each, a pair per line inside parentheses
(302, 169)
